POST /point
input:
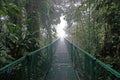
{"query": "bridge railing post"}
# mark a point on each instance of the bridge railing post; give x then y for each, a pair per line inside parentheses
(23, 67)
(29, 66)
(85, 67)
(72, 53)
(92, 69)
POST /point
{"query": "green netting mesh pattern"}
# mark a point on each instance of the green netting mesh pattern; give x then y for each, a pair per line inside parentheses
(90, 68)
(32, 67)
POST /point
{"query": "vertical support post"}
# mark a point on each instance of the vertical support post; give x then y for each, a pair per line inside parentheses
(72, 53)
(92, 73)
(23, 73)
(51, 51)
(35, 67)
(75, 56)
(97, 71)
(29, 65)
(48, 55)
(85, 67)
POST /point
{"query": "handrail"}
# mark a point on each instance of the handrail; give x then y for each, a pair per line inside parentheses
(108, 68)
(82, 50)
(91, 61)
(11, 64)
(31, 53)
(26, 67)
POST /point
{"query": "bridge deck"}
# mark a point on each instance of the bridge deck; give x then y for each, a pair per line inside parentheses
(62, 68)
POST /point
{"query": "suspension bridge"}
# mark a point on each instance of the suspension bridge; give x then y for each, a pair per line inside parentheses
(60, 60)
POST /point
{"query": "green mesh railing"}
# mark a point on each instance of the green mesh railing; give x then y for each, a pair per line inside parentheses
(31, 67)
(88, 67)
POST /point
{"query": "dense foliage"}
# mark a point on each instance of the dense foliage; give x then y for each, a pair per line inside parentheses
(25, 25)
(94, 26)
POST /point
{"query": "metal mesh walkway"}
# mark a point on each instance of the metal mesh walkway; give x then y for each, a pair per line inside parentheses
(62, 68)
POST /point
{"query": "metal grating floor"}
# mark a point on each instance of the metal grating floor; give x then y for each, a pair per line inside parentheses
(61, 68)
